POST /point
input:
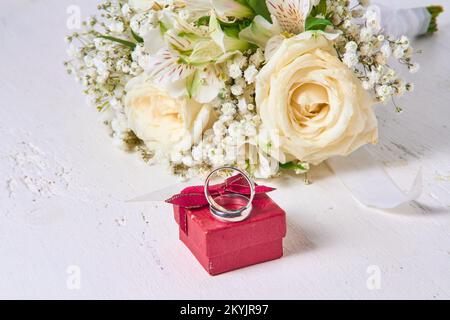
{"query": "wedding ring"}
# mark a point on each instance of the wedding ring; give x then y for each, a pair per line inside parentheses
(217, 204)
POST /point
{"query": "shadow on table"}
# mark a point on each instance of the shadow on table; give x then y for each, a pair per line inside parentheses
(417, 209)
(297, 240)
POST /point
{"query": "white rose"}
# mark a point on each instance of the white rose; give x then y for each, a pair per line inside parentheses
(162, 122)
(313, 102)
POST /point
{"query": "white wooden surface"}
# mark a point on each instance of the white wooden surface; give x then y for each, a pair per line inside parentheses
(63, 186)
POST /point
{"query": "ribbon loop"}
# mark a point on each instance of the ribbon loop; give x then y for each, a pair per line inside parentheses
(192, 198)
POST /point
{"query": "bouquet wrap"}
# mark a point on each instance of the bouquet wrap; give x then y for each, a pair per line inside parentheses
(409, 22)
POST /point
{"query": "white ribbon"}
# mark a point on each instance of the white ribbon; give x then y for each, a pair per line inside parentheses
(162, 194)
(369, 183)
(409, 22)
(364, 177)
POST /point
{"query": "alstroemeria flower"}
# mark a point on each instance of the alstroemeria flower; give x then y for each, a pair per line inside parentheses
(223, 8)
(291, 14)
(231, 8)
(288, 16)
(202, 83)
(144, 5)
(225, 42)
(140, 5)
(190, 58)
(260, 31)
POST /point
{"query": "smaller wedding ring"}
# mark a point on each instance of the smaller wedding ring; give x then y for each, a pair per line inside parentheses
(218, 203)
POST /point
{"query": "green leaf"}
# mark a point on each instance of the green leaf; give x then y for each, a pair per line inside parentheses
(202, 21)
(163, 27)
(137, 37)
(126, 43)
(238, 24)
(313, 23)
(260, 8)
(191, 83)
(232, 31)
(293, 166)
(243, 2)
(322, 7)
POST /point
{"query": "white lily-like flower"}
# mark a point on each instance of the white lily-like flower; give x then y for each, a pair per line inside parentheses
(205, 51)
(288, 16)
(145, 5)
(140, 5)
(267, 166)
(260, 31)
(155, 38)
(153, 41)
(198, 8)
(216, 33)
(165, 69)
(205, 84)
(225, 42)
(191, 58)
(223, 8)
(231, 8)
(181, 42)
(291, 14)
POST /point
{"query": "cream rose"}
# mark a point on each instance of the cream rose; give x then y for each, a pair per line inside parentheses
(163, 122)
(313, 102)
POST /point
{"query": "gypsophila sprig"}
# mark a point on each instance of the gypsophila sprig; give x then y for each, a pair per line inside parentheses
(266, 86)
(369, 52)
(104, 66)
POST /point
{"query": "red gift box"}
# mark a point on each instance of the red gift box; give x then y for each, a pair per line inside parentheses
(221, 247)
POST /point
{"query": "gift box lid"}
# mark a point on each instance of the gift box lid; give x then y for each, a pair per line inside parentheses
(266, 223)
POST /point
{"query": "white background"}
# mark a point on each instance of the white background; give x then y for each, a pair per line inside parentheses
(63, 186)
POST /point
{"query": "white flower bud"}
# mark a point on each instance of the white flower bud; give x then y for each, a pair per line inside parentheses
(414, 68)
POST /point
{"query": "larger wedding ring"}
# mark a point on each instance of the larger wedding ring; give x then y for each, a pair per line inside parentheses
(217, 204)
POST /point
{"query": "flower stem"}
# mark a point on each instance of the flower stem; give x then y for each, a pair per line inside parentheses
(126, 43)
(435, 11)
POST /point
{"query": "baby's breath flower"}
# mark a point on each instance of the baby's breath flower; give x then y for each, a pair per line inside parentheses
(234, 71)
(250, 74)
(414, 68)
(237, 90)
(367, 50)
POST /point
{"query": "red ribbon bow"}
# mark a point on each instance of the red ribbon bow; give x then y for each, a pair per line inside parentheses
(194, 197)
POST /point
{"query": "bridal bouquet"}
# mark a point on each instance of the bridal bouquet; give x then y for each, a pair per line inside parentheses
(263, 85)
